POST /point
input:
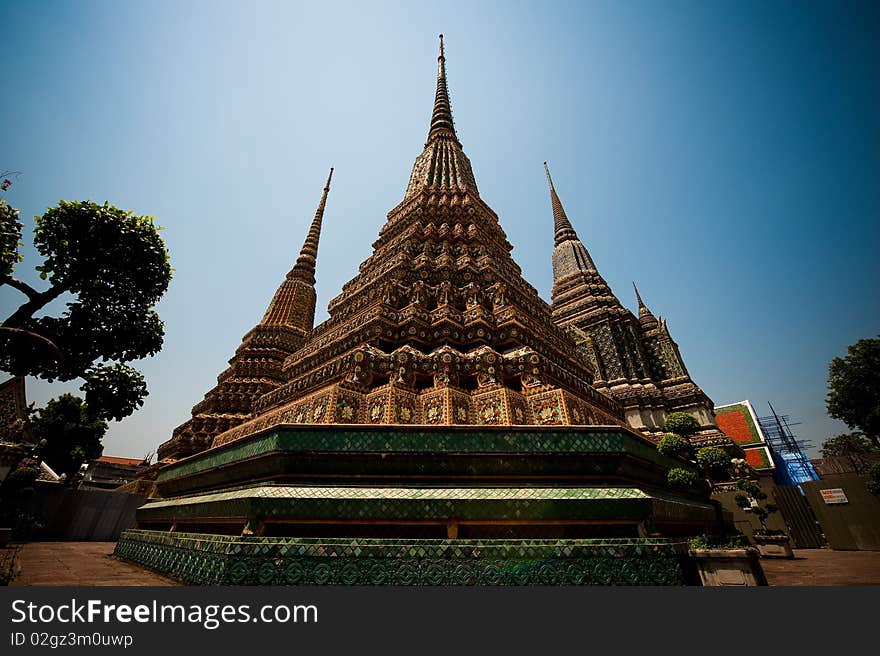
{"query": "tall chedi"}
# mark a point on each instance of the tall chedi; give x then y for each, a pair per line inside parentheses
(437, 429)
(636, 360)
(439, 326)
(256, 367)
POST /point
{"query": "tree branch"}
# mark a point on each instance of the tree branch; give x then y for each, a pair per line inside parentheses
(27, 310)
(21, 286)
(36, 337)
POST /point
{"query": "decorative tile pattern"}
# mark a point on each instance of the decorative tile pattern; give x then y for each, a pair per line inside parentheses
(223, 560)
(425, 440)
(351, 503)
(547, 408)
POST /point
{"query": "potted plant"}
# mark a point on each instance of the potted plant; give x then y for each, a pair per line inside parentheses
(726, 560)
(771, 543)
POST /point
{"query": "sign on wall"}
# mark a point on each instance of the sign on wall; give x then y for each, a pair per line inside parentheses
(833, 495)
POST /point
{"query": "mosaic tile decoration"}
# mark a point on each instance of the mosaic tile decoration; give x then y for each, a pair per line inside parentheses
(203, 559)
(268, 502)
(424, 440)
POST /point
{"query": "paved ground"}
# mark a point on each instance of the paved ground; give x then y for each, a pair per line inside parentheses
(80, 563)
(824, 567)
(92, 563)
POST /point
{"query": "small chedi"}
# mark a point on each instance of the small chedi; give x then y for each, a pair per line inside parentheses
(443, 426)
(635, 360)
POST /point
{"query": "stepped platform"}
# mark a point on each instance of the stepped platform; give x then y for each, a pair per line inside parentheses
(423, 505)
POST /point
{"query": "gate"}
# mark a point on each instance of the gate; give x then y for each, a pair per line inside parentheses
(803, 528)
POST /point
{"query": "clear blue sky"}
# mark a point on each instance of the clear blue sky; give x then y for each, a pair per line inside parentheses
(726, 156)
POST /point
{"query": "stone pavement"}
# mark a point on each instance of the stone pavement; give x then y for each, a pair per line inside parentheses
(824, 567)
(92, 563)
(80, 563)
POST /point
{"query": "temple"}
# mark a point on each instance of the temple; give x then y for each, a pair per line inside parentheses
(635, 360)
(257, 366)
(444, 426)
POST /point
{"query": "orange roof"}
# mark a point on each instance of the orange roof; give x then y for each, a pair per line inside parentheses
(758, 459)
(121, 461)
(736, 421)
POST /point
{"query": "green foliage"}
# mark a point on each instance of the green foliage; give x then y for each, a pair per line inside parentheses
(114, 391)
(874, 478)
(751, 501)
(730, 541)
(10, 238)
(751, 488)
(23, 477)
(106, 255)
(673, 446)
(846, 444)
(72, 432)
(681, 423)
(742, 501)
(681, 478)
(714, 462)
(854, 388)
(15, 493)
(115, 266)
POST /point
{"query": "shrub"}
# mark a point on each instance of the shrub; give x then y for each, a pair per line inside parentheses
(715, 462)
(874, 478)
(681, 423)
(23, 477)
(683, 478)
(15, 493)
(733, 541)
(751, 501)
(673, 446)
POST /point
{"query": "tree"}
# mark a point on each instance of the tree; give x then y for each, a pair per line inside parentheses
(114, 266)
(72, 432)
(854, 388)
(712, 463)
(845, 444)
(752, 499)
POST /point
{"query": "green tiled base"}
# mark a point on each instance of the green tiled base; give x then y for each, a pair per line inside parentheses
(204, 559)
(423, 440)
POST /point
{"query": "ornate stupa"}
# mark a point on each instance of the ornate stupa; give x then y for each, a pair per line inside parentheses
(444, 425)
(635, 360)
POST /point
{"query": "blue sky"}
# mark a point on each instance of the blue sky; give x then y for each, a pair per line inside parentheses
(726, 156)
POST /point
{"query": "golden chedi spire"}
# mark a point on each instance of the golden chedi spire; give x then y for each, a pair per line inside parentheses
(570, 256)
(442, 167)
(441, 117)
(294, 302)
(562, 226)
(305, 263)
(256, 367)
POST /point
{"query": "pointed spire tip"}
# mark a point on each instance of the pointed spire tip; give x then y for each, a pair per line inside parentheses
(638, 296)
(549, 179)
(441, 117)
(561, 225)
